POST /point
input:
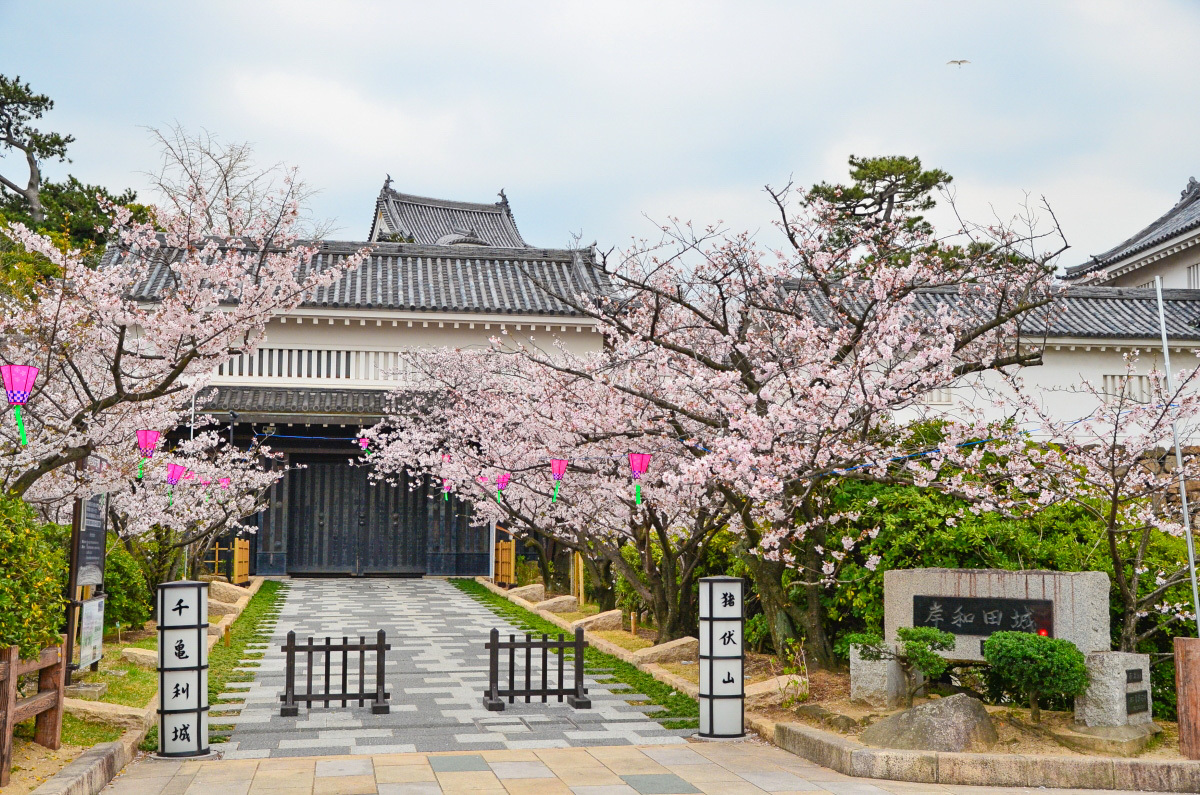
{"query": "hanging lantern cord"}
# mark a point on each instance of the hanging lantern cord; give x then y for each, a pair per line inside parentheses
(20, 424)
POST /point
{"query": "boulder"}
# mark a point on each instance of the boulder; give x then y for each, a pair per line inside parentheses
(216, 608)
(681, 650)
(224, 592)
(103, 712)
(530, 593)
(958, 723)
(143, 657)
(610, 619)
(559, 604)
(88, 691)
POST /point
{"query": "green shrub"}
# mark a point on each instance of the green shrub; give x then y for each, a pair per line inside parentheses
(1037, 666)
(32, 573)
(917, 653)
(128, 599)
(758, 632)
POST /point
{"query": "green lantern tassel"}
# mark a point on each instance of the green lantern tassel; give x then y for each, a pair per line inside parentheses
(446, 496)
(497, 496)
(556, 485)
(20, 424)
(170, 496)
(637, 493)
(141, 471)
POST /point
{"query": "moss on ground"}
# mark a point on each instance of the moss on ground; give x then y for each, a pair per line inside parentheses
(680, 711)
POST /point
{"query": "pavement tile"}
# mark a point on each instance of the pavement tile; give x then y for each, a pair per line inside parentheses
(459, 763)
(659, 784)
(403, 774)
(506, 770)
(344, 767)
(418, 788)
(777, 781)
(469, 780)
(535, 786)
(605, 789)
(344, 785)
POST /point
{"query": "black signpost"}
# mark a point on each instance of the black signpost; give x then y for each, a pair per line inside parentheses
(89, 531)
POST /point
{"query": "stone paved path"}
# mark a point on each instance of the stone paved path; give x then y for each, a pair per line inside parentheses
(436, 674)
(745, 768)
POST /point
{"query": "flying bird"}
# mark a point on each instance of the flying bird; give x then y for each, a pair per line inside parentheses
(957, 63)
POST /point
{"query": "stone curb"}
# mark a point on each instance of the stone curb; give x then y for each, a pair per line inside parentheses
(600, 644)
(997, 770)
(91, 771)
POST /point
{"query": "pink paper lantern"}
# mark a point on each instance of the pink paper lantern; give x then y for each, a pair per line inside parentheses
(224, 483)
(18, 385)
(445, 481)
(638, 463)
(363, 442)
(174, 473)
(501, 483)
(558, 468)
(147, 442)
(18, 382)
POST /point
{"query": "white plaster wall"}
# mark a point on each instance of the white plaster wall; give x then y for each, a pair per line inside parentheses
(1172, 268)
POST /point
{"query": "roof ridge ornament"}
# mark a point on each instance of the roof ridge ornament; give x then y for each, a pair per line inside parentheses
(1191, 188)
(504, 199)
(387, 182)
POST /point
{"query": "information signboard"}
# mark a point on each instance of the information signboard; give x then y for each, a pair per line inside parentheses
(92, 541)
(91, 631)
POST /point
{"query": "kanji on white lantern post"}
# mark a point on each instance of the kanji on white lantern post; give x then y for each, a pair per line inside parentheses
(183, 669)
(722, 658)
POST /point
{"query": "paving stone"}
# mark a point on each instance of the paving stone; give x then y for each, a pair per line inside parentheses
(436, 673)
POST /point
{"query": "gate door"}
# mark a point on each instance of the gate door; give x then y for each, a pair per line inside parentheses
(340, 523)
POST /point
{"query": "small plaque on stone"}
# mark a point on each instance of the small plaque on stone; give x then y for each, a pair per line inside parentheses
(1133, 675)
(1137, 701)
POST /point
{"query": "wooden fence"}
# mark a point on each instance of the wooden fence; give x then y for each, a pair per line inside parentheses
(231, 560)
(576, 694)
(46, 704)
(290, 697)
(506, 562)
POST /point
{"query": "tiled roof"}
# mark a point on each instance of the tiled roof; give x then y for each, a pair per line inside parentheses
(440, 221)
(418, 278)
(1183, 217)
(293, 400)
(1100, 313)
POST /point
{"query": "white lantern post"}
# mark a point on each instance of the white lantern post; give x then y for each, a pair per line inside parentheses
(722, 659)
(183, 669)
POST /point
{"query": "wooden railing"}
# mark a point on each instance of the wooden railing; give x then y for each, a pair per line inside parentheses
(576, 694)
(326, 366)
(291, 698)
(46, 705)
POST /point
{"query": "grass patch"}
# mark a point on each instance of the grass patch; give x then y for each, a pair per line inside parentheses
(75, 731)
(128, 684)
(222, 660)
(584, 611)
(624, 639)
(688, 672)
(680, 711)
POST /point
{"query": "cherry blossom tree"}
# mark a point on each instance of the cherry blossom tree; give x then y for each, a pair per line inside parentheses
(759, 374)
(124, 345)
(221, 487)
(1118, 464)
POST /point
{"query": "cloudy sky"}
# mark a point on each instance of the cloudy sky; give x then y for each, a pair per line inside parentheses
(595, 115)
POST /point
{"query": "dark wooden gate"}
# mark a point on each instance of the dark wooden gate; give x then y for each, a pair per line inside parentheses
(341, 523)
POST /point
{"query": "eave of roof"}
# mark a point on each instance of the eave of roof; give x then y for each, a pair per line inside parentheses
(1182, 218)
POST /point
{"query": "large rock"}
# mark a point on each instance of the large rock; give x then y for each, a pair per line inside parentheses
(559, 604)
(958, 723)
(530, 593)
(680, 650)
(224, 592)
(143, 657)
(216, 608)
(608, 620)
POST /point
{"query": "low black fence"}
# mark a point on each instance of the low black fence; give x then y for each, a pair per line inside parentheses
(291, 699)
(576, 694)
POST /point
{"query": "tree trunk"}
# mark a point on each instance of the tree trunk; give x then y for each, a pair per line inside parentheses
(1035, 714)
(603, 586)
